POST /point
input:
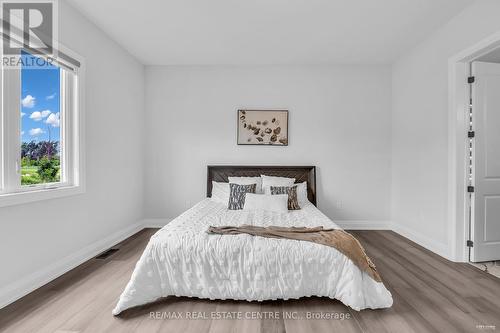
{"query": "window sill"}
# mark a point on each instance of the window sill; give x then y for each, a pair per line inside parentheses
(19, 198)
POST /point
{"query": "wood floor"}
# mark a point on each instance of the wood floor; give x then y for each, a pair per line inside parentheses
(430, 295)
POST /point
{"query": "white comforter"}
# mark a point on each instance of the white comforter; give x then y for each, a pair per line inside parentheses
(182, 259)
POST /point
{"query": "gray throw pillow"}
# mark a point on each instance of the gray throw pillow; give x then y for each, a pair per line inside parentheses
(237, 195)
(293, 203)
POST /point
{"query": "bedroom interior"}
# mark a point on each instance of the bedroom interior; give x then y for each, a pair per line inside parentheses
(264, 166)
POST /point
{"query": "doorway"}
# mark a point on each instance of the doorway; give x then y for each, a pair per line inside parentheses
(474, 154)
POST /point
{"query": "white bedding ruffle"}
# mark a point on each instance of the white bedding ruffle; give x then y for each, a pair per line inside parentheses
(181, 259)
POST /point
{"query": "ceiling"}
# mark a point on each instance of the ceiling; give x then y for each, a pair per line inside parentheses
(256, 32)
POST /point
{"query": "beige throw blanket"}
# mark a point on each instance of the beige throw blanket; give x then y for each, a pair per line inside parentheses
(338, 239)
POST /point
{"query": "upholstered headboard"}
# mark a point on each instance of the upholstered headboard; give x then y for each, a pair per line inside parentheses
(220, 173)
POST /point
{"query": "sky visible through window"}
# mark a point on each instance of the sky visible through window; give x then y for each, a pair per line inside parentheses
(40, 103)
(40, 124)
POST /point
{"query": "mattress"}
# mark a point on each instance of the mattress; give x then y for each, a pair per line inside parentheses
(182, 259)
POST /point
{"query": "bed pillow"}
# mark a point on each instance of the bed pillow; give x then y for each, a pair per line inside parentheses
(247, 181)
(291, 191)
(268, 181)
(270, 203)
(302, 193)
(237, 195)
(220, 192)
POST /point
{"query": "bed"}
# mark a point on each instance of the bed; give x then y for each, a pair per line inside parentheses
(182, 259)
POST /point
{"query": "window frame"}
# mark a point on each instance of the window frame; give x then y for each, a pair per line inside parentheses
(72, 138)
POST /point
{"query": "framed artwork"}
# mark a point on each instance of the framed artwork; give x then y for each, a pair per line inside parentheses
(263, 127)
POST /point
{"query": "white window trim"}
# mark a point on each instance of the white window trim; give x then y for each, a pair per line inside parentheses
(74, 156)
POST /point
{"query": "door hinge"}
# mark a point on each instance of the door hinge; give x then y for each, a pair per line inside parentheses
(471, 134)
(470, 243)
(471, 79)
(470, 189)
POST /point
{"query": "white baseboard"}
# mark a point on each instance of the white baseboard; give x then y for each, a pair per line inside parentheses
(155, 223)
(24, 286)
(364, 224)
(423, 240)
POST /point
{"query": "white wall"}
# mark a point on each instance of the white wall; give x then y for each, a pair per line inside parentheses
(39, 236)
(339, 120)
(420, 128)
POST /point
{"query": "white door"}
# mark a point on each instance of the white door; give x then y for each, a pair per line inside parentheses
(486, 154)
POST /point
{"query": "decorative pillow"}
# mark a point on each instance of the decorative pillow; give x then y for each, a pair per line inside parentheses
(237, 195)
(268, 181)
(293, 204)
(271, 203)
(247, 181)
(220, 192)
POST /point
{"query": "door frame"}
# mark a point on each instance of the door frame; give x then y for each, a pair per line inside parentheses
(458, 94)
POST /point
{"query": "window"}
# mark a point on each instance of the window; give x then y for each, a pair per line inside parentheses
(40, 127)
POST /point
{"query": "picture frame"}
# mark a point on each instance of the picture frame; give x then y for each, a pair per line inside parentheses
(266, 127)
